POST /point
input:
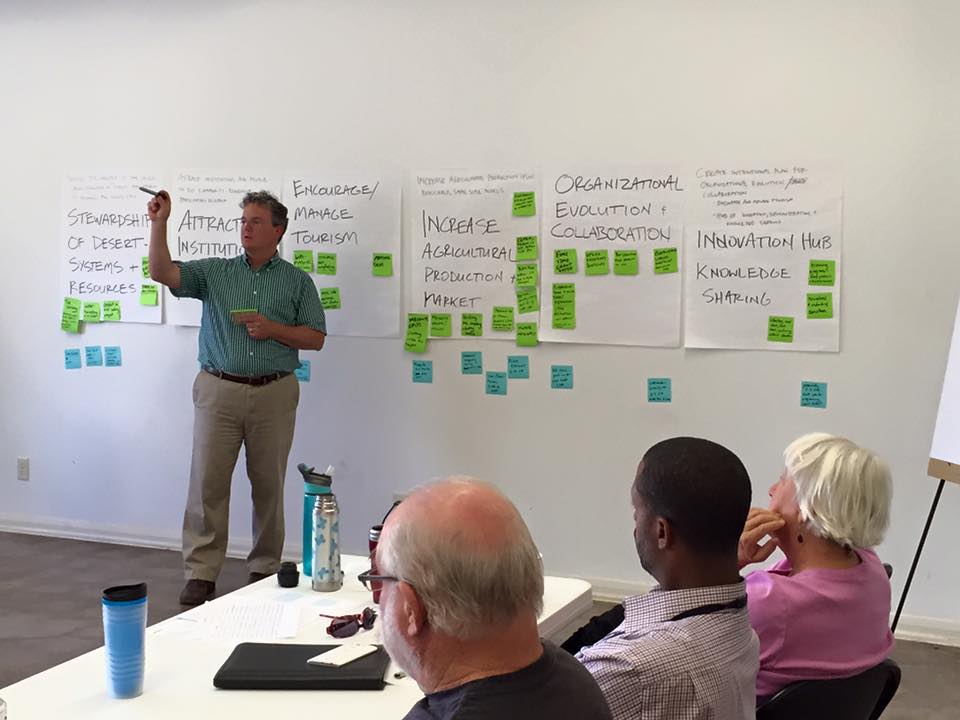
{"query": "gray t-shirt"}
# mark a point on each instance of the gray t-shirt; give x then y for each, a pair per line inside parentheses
(555, 686)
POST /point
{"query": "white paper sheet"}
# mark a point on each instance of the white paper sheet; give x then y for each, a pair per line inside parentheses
(352, 215)
(463, 242)
(105, 234)
(239, 621)
(751, 234)
(636, 208)
(946, 433)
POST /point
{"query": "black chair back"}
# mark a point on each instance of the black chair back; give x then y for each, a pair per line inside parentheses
(861, 697)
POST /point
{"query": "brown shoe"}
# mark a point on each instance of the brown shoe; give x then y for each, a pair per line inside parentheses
(197, 592)
(257, 577)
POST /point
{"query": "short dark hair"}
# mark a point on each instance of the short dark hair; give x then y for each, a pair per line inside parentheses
(701, 488)
(278, 211)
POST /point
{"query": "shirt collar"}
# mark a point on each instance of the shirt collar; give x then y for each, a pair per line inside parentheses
(272, 261)
(658, 606)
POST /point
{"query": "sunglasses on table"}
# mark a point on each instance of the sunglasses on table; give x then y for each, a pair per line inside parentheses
(344, 626)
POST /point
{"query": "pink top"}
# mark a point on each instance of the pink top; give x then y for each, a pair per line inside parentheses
(820, 623)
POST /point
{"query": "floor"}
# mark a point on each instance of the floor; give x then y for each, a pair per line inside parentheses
(50, 612)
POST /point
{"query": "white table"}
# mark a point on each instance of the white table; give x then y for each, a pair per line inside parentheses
(180, 669)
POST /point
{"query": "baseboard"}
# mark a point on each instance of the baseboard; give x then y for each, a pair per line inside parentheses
(934, 631)
(120, 535)
(916, 628)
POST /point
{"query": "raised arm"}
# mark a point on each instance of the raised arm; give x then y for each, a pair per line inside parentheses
(162, 268)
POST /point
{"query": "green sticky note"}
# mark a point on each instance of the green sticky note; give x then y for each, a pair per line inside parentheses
(111, 310)
(822, 272)
(527, 334)
(527, 275)
(625, 262)
(471, 324)
(564, 318)
(303, 259)
(330, 297)
(665, 260)
(326, 263)
(564, 293)
(780, 329)
(527, 247)
(564, 306)
(565, 261)
(527, 301)
(596, 262)
(524, 204)
(819, 306)
(91, 312)
(416, 338)
(70, 318)
(145, 267)
(440, 325)
(382, 264)
(502, 317)
(149, 294)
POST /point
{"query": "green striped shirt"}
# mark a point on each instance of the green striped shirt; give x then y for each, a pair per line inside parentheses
(278, 291)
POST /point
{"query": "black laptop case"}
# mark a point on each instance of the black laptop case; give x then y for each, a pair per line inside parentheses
(274, 666)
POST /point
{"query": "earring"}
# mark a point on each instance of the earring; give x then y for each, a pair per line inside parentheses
(800, 539)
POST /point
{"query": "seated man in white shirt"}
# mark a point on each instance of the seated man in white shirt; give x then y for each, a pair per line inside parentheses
(685, 649)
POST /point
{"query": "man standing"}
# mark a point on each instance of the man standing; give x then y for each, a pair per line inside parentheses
(462, 587)
(245, 392)
(686, 648)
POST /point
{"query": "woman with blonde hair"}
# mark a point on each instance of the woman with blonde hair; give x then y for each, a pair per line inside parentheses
(823, 611)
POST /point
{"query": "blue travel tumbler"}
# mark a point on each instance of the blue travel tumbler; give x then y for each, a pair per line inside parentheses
(124, 629)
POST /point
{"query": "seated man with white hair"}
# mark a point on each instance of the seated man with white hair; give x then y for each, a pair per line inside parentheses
(462, 586)
(824, 611)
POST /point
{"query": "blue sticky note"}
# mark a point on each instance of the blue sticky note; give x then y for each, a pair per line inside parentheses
(813, 394)
(496, 383)
(71, 359)
(471, 362)
(112, 355)
(561, 377)
(518, 367)
(303, 372)
(94, 355)
(423, 371)
(659, 390)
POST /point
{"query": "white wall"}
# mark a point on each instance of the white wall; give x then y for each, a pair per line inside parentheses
(868, 85)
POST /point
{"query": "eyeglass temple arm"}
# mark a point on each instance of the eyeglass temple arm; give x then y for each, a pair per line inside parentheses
(392, 508)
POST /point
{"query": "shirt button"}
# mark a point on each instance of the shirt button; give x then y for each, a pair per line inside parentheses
(254, 292)
(251, 353)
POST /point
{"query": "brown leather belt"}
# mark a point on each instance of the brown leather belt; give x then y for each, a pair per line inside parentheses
(261, 380)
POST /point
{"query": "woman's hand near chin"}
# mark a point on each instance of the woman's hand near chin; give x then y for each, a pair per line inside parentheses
(760, 523)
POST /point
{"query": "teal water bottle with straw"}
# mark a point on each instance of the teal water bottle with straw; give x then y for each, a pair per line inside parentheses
(314, 484)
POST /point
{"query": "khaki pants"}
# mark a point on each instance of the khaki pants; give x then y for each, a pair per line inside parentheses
(226, 415)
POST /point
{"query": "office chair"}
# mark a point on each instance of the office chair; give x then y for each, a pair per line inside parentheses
(861, 697)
